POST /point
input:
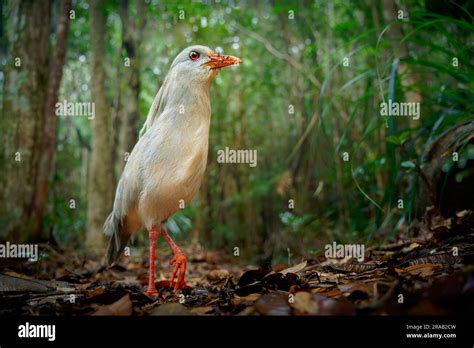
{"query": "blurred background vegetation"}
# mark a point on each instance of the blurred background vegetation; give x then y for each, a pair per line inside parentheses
(309, 90)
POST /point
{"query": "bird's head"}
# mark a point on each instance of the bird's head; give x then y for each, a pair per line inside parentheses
(201, 63)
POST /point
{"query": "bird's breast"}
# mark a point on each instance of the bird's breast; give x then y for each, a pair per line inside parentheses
(190, 165)
(175, 171)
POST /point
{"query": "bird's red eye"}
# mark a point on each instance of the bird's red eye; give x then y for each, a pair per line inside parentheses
(194, 55)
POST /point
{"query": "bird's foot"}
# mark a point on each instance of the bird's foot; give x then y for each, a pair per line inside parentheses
(179, 261)
(151, 291)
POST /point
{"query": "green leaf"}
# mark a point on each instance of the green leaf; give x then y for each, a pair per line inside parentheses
(408, 164)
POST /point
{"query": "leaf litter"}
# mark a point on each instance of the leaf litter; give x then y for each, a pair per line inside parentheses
(433, 272)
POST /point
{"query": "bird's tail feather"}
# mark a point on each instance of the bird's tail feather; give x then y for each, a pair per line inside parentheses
(113, 227)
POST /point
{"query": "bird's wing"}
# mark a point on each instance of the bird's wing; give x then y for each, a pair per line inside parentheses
(157, 106)
(124, 220)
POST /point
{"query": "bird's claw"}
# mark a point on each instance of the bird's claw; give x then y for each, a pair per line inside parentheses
(151, 292)
(179, 262)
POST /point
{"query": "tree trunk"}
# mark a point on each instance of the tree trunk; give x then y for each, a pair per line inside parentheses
(25, 95)
(131, 37)
(409, 78)
(101, 178)
(50, 119)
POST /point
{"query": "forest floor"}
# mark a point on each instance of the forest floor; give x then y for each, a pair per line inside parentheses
(432, 274)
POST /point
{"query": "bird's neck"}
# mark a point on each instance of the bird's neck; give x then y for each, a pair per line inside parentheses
(188, 101)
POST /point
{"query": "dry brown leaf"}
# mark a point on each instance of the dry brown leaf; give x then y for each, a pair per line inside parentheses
(422, 270)
(273, 303)
(132, 266)
(356, 286)
(10, 283)
(247, 311)
(237, 300)
(121, 307)
(217, 274)
(446, 258)
(332, 291)
(170, 309)
(96, 291)
(294, 269)
(304, 305)
(18, 275)
(207, 256)
(463, 213)
(92, 266)
(315, 304)
(202, 310)
(129, 280)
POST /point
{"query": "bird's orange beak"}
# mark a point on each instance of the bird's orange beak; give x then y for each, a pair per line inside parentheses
(217, 61)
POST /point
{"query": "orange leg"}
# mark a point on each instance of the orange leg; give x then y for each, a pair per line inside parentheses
(179, 261)
(152, 235)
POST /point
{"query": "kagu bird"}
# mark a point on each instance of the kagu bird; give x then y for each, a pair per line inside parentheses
(167, 164)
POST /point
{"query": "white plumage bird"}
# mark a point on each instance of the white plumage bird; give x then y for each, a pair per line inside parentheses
(167, 164)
